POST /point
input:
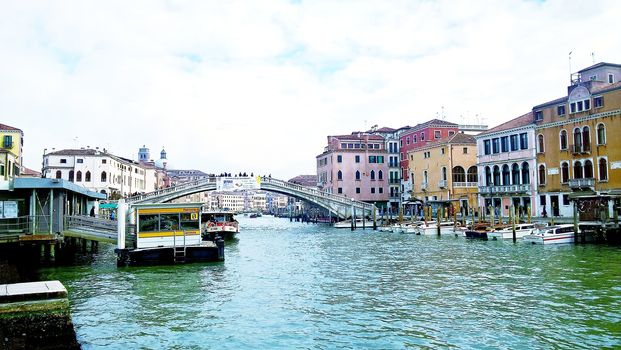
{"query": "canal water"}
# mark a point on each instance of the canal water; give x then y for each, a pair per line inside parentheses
(298, 286)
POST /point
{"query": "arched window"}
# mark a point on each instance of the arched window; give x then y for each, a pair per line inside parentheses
(588, 169)
(577, 140)
(496, 175)
(540, 143)
(339, 175)
(380, 175)
(372, 174)
(586, 139)
(488, 176)
(104, 176)
(71, 175)
(603, 169)
(58, 174)
(578, 170)
(565, 172)
(525, 173)
(444, 175)
(425, 176)
(357, 175)
(515, 173)
(459, 175)
(563, 141)
(472, 174)
(601, 134)
(87, 176)
(78, 177)
(542, 174)
(506, 175)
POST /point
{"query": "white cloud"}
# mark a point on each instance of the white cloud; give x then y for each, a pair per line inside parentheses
(257, 86)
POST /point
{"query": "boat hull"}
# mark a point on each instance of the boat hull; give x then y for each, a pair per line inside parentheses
(552, 239)
(472, 234)
(205, 252)
(508, 235)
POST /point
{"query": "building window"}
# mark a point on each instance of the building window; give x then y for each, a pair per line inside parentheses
(504, 144)
(87, 176)
(542, 200)
(372, 174)
(487, 147)
(488, 176)
(414, 138)
(71, 175)
(380, 175)
(495, 145)
(436, 134)
(514, 142)
(496, 175)
(588, 169)
(407, 140)
(577, 140)
(442, 150)
(63, 161)
(601, 134)
(357, 189)
(1, 169)
(560, 110)
(78, 177)
(515, 174)
(339, 175)
(459, 175)
(578, 170)
(372, 190)
(372, 159)
(603, 169)
(523, 141)
(598, 102)
(472, 174)
(339, 159)
(104, 176)
(538, 116)
(444, 175)
(8, 141)
(542, 174)
(611, 78)
(58, 174)
(357, 159)
(422, 136)
(525, 173)
(506, 175)
(563, 139)
(401, 143)
(564, 172)
(465, 150)
(540, 143)
(381, 190)
(586, 139)
(357, 175)
(340, 190)
(80, 161)
(451, 133)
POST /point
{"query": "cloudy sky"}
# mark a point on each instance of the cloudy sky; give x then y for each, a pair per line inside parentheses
(258, 85)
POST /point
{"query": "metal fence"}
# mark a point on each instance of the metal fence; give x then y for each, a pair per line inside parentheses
(22, 225)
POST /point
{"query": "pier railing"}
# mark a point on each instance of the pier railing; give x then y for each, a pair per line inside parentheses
(23, 225)
(89, 222)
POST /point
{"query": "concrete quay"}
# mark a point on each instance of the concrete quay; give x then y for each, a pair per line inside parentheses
(35, 315)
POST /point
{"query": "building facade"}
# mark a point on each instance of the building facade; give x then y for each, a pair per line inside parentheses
(355, 166)
(506, 161)
(12, 141)
(445, 170)
(578, 156)
(391, 144)
(99, 171)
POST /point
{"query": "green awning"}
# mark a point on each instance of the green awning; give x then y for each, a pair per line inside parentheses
(107, 206)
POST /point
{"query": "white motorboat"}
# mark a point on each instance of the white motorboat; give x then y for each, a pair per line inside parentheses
(552, 235)
(521, 230)
(358, 223)
(411, 227)
(431, 228)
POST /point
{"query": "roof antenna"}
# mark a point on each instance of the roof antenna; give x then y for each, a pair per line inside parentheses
(593, 57)
(570, 81)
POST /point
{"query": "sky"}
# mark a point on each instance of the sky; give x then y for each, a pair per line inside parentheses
(257, 86)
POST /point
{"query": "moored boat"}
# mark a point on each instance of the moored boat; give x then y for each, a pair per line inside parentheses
(431, 228)
(556, 234)
(218, 223)
(503, 233)
(358, 223)
(478, 231)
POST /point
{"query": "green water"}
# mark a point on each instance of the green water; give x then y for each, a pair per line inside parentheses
(297, 286)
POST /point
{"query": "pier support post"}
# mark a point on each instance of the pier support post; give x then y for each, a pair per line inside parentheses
(439, 213)
(364, 223)
(512, 213)
(51, 220)
(374, 218)
(575, 222)
(120, 228)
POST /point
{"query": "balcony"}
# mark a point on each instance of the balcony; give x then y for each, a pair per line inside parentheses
(393, 164)
(395, 181)
(423, 186)
(465, 184)
(504, 189)
(581, 148)
(581, 183)
(442, 183)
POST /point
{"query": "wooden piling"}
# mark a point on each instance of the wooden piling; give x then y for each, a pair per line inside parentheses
(512, 214)
(374, 218)
(439, 212)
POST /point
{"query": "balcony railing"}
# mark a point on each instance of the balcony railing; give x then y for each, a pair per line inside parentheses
(465, 184)
(581, 148)
(394, 181)
(581, 183)
(393, 164)
(504, 189)
(423, 186)
(442, 183)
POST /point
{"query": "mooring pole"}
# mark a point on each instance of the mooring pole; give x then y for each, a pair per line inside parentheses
(374, 218)
(512, 213)
(121, 209)
(575, 222)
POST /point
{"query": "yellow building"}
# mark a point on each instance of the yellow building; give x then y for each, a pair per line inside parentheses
(578, 156)
(445, 170)
(11, 142)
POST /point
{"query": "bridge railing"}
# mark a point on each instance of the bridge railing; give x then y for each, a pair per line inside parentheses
(171, 189)
(91, 223)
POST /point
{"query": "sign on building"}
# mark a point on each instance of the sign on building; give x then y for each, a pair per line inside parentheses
(238, 183)
(8, 210)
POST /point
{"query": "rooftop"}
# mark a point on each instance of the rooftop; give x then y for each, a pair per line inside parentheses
(30, 183)
(9, 128)
(520, 121)
(600, 64)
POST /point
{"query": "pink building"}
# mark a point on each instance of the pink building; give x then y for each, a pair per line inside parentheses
(355, 166)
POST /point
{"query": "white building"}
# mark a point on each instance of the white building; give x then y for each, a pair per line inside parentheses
(100, 171)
